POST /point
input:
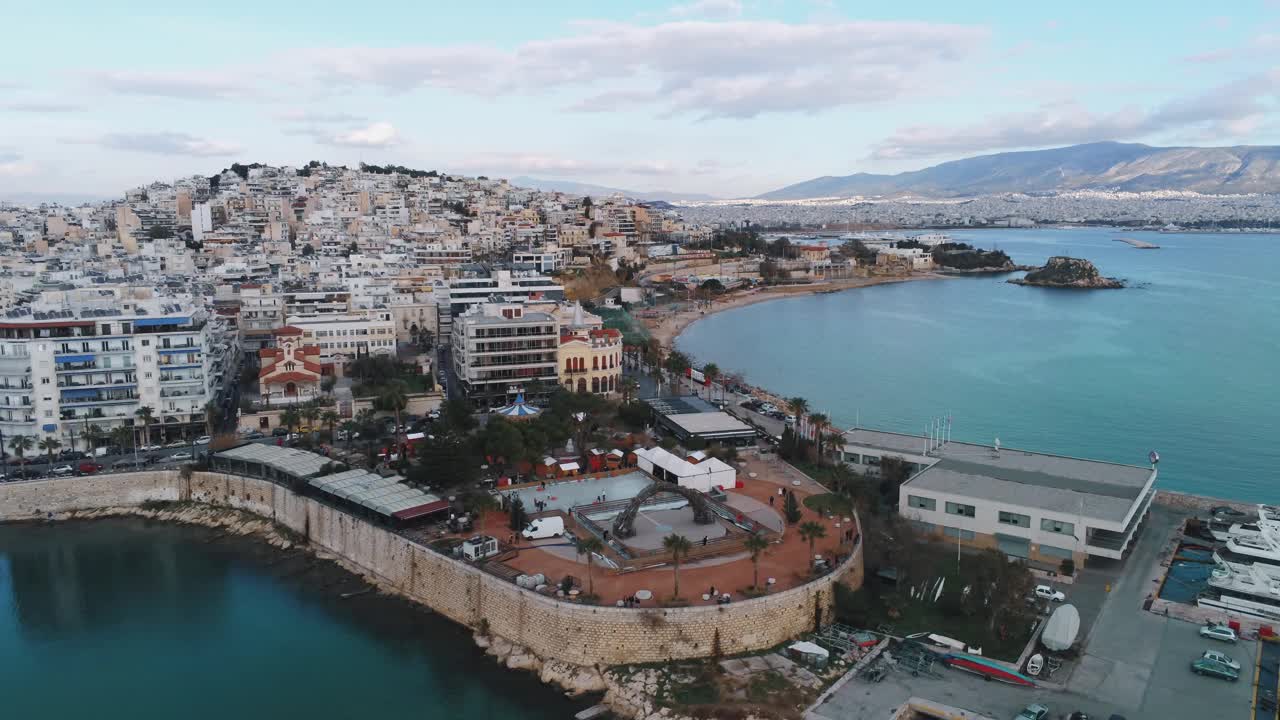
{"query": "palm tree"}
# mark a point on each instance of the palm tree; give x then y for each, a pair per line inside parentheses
(812, 531)
(290, 419)
(311, 414)
(348, 430)
(798, 407)
(212, 417)
(590, 546)
(147, 416)
(711, 372)
(394, 398)
(92, 436)
(628, 387)
(48, 445)
(819, 422)
(678, 546)
(755, 544)
(330, 417)
(122, 435)
(20, 444)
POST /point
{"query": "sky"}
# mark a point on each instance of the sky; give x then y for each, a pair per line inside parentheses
(726, 97)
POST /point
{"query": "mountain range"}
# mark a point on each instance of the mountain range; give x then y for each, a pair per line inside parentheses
(1094, 166)
(579, 188)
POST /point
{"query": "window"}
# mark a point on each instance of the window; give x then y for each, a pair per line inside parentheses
(922, 503)
(48, 413)
(1057, 526)
(146, 342)
(147, 375)
(1008, 518)
(957, 532)
(1053, 551)
(44, 381)
(960, 509)
(923, 528)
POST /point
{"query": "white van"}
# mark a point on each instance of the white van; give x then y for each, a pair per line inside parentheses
(545, 527)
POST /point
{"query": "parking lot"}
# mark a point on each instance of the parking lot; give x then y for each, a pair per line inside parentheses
(1135, 664)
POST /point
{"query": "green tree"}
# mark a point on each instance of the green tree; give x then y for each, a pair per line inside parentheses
(311, 414)
(122, 436)
(590, 547)
(798, 407)
(20, 444)
(93, 436)
(628, 387)
(330, 418)
(394, 398)
(516, 516)
(812, 532)
(212, 418)
(349, 429)
(677, 363)
(678, 546)
(290, 419)
(755, 543)
(147, 416)
(819, 423)
(711, 372)
(791, 509)
(502, 441)
(48, 445)
(458, 415)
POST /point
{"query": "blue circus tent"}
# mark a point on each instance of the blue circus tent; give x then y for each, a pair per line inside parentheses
(518, 410)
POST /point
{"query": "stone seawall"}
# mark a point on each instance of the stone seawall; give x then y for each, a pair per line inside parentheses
(1200, 503)
(583, 635)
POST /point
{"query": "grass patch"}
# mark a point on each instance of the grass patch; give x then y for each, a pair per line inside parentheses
(766, 684)
(702, 691)
(413, 384)
(830, 503)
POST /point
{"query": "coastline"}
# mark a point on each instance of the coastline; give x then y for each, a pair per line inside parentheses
(668, 329)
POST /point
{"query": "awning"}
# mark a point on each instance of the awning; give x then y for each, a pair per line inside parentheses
(419, 511)
(74, 358)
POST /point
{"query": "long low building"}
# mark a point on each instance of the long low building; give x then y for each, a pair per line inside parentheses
(1030, 505)
(689, 417)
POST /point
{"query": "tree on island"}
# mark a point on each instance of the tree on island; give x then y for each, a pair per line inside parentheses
(678, 546)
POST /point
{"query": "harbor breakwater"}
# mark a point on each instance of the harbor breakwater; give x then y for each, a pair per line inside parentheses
(565, 642)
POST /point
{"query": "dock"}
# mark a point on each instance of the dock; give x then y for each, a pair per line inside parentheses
(1140, 244)
(594, 711)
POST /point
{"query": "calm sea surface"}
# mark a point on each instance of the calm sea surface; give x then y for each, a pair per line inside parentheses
(1185, 361)
(114, 619)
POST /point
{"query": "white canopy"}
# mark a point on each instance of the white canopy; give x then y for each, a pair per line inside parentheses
(1061, 630)
(808, 648)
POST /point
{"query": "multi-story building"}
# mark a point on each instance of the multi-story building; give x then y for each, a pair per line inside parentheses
(63, 370)
(501, 350)
(290, 371)
(590, 355)
(261, 313)
(480, 285)
(343, 337)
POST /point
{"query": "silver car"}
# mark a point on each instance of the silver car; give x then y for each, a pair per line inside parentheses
(1219, 632)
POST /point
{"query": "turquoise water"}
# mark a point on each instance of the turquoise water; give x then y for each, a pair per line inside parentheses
(114, 619)
(1184, 362)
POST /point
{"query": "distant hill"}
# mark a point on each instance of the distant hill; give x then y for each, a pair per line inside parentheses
(1098, 166)
(578, 188)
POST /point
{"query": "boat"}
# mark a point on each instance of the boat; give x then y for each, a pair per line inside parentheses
(943, 642)
(1243, 590)
(1035, 665)
(1061, 629)
(986, 668)
(1261, 549)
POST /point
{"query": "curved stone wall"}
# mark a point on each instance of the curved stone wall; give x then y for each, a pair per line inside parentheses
(553, 630)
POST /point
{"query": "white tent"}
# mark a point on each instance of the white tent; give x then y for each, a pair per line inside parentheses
(701, 476)
(1061, 630)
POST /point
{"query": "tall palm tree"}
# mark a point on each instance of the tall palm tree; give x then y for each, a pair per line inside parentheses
(812, 531)
(92, 436)
(819, 422)
(394, 398)
(147, 416)
(590, 546)
(678, 546)
(711, 372)
(20, 444)
(628, 387)
(798, 407)
(122, 435)
(48, 445)
(311, 414)
(330, 417)
(290, 419)
(755, 544)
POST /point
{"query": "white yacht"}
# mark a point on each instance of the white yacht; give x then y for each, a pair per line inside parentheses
(1247, 590)
(1260, 549)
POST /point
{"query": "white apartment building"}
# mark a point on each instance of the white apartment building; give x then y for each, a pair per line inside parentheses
(261, 312)
(501, 350)
(480, 285)
(63, 370)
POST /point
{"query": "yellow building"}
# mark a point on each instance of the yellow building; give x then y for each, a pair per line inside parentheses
(590, 360)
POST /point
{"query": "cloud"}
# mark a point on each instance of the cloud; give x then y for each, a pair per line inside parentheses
(318, 118)
(377, 135)
(192, 85)
(734, 69)
(11, 165)
(516, 163)
(711, 9)
(1227, 111)
(164, 143)
(44, 107)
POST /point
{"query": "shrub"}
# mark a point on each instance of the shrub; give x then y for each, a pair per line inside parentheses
(791, 509)
(1068, 567)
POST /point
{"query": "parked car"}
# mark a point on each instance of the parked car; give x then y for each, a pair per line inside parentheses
(1219, 632)
(279, 431)
(88, 467)
(175, 444)
(203, 440)
(128, 463)
(1212, 668)
(150, 448)
(1035, 711)
(1044, 592)
(62, 470)
(1221, 657)
(254, 435)
(180, 456)
(545, 527)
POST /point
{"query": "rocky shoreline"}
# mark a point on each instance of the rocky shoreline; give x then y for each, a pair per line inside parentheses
(1070, 273)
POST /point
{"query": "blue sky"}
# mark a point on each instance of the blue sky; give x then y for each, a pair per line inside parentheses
(728, 97)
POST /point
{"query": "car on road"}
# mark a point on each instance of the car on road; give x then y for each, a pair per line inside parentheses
(175, 444)
(128, 463)
(1212, 668)
(88, 468)
(150, 448)
(1222, 658)
(180, 456)
(1035, 711)
(203, 440)
(1219, 632)
(1044, 592)
(254, 435)
(62, 470)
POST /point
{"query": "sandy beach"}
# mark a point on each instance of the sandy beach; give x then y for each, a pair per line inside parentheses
(668, 327)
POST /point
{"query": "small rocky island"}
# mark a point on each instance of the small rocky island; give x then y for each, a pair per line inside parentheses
(1067, 272)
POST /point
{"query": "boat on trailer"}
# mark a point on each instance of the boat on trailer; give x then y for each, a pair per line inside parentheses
(988, 669)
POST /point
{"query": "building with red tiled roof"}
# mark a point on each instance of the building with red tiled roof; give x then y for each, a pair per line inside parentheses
(290, 371)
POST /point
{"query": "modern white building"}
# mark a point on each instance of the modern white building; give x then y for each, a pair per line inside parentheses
(1035, 506)
(698, 471)
(501, 350)
(480, 285)
(343, 337)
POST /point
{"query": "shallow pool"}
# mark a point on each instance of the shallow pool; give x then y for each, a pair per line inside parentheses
(565, 494)
(1188, 575)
